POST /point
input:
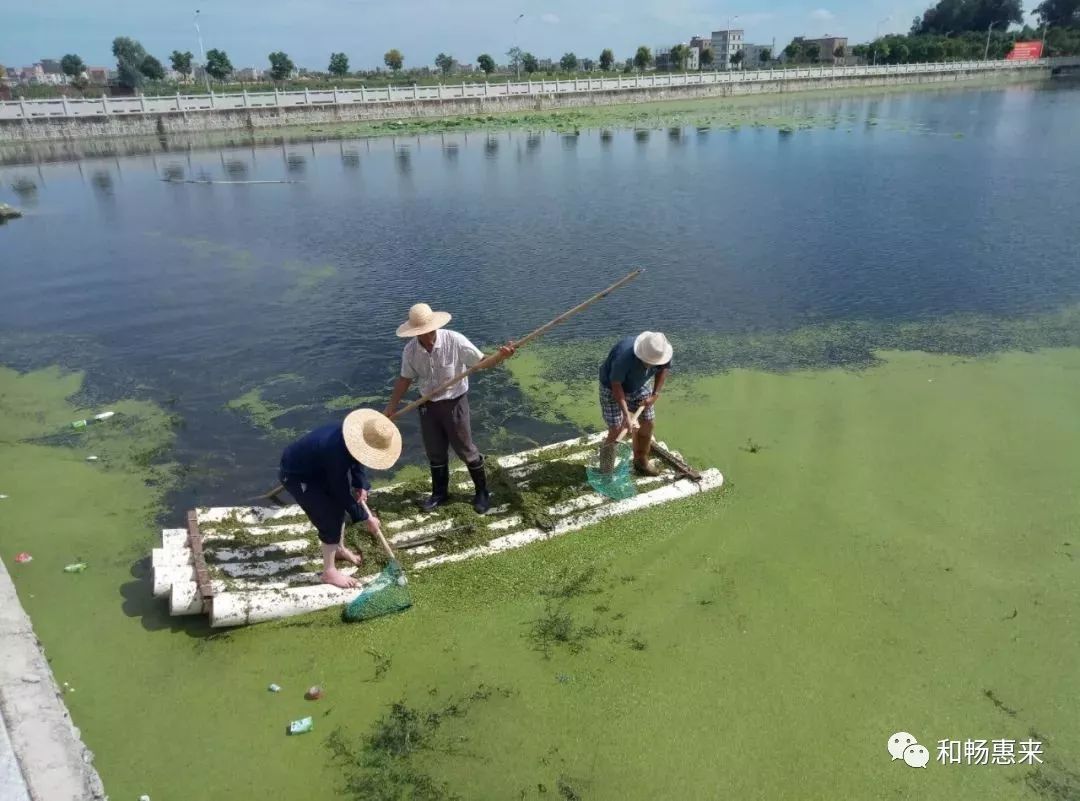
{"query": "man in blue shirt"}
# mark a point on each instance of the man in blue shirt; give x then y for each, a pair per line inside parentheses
(326, 472)
(625, 385)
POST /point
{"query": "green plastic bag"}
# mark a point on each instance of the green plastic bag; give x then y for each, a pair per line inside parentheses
(388, 593)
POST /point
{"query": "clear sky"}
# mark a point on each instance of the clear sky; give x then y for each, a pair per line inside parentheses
(364, 29)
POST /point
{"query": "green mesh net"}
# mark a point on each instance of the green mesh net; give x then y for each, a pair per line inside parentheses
(389, 592)
(608, 471)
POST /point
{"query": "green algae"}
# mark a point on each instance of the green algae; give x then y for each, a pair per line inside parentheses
(859, 581)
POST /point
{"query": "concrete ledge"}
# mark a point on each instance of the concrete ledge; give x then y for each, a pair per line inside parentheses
(47, 749)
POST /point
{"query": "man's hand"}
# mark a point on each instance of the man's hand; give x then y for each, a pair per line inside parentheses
(499, 356)
(651, 400)
(373, 525)
(361, 495)
(628, 423)
(389, 411)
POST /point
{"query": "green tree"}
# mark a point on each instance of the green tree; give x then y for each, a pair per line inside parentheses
(218, 65)
(628, 66)
(678, 55)
(281, 66)
(812, 52)
(445, 63)
(588, 65)
(706, 57)
(737, 58)
(181, 62)
(765, 56)
(839, 52)
(642, 58)
(794, 51)
(1059, 13)
(607, 59)
(486, 63)
(152, 69)
(72, 66)
(129, 58)
(393, 59)
(529, 63)
(960, 16)
(880, 50)
(568, 62)
(339, 65)
(515, 55)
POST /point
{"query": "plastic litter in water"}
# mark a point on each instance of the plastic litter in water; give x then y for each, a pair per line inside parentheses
(3, 497)
(313, 693)
(23, 557)
(97, 418)
(144, 798)
(274, 688)
(302, 726)
(91, 458)
(78, 567)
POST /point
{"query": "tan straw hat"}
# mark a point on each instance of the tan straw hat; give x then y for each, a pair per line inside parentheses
(653, 348)
(422, 320)
(372, 439)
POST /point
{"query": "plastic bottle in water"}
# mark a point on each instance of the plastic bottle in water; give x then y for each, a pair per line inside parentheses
(302, 726)
(97, 418)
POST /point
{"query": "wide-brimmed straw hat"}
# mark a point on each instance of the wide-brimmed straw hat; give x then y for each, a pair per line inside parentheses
(422, 320)
(653, 348)
(372, 439)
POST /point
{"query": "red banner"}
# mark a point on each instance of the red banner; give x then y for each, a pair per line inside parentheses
(1025, 51)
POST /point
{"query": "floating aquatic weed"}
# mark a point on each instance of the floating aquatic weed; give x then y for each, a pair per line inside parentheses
(750, 446)
(382, 663)
(381, 766)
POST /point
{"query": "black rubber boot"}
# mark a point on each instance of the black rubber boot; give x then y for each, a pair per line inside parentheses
(482, 499)
(440, 488)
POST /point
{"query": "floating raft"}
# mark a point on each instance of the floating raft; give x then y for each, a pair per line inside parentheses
(244, 565)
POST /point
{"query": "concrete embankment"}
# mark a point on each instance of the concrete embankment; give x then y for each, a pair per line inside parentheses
(42, 757)
(45, 129)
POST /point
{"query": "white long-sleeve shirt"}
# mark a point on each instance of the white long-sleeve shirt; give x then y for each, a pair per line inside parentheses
(452, 354)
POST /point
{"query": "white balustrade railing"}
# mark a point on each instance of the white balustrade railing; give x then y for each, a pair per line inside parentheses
(171, 104)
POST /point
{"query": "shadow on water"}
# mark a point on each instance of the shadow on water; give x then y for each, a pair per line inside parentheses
(491, 147)
(641, 135)
(606, 138)
(153, 613)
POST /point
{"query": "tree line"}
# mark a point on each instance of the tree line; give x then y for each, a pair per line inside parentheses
(951, 29)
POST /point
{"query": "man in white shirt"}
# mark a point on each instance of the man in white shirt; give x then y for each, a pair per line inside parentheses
(433, 356)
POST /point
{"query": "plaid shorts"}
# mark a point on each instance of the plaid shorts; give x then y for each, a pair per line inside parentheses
(609, 407)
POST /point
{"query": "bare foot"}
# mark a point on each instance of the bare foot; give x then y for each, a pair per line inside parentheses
(349, 556)
(338, 579)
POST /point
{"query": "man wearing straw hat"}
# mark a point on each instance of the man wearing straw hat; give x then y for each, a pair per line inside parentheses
(326, 472)
(624, 386)
(434, 355)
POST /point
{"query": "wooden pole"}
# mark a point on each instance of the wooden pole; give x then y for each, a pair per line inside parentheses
(483, 363)
(521, 342)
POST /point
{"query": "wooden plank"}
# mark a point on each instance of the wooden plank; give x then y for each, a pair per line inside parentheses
(675, 462)
(202, 575)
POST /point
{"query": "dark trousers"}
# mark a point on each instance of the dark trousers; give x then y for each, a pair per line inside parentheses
(324, 512)
(447, 424)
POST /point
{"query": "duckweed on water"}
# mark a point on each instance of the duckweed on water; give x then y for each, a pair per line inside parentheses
(384, 765)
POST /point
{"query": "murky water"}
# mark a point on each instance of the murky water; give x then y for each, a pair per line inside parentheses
(255, 310)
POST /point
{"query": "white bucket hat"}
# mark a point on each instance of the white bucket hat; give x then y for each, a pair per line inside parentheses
(653, 348)
(372, 439)
(422, 320)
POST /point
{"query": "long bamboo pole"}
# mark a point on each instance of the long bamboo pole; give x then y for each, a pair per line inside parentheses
(484, 363)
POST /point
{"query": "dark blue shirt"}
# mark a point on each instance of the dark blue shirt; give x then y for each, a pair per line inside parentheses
(322, 458)
(623, 367)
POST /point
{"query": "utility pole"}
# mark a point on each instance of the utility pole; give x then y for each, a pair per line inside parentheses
(986, 52)
(202, 52)
(517, 45)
